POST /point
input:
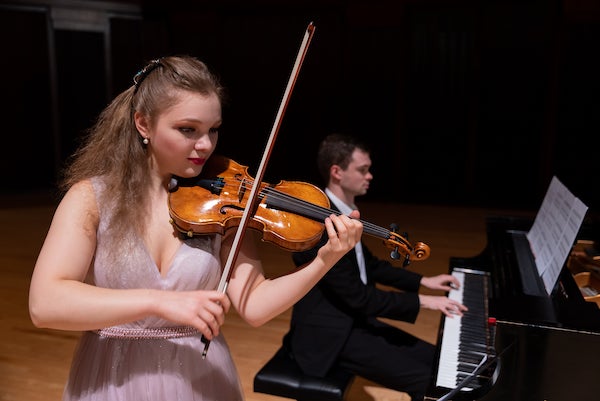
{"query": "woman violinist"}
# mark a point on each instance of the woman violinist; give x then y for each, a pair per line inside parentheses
(113, 266)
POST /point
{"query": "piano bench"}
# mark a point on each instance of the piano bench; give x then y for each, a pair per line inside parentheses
(282, 377)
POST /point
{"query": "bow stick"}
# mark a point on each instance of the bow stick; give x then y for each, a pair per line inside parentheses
(250, 205)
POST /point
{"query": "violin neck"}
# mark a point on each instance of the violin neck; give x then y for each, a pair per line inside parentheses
(282, 201)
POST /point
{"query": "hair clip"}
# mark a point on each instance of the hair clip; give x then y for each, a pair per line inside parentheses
(144, 72)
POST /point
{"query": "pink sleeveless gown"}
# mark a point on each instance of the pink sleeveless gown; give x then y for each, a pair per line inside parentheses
(151, 360)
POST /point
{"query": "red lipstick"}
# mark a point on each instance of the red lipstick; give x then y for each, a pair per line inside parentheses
(197, 161)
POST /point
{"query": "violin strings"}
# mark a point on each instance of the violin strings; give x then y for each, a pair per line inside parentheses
(324, 212)
(302, 206)
(316, 210)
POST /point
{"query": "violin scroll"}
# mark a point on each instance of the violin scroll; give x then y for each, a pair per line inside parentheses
(421, 251)
(400, 246)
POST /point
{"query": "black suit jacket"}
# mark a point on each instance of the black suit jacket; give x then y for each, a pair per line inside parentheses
(322, 319)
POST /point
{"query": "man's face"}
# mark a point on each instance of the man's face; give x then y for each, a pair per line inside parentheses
(355, 179)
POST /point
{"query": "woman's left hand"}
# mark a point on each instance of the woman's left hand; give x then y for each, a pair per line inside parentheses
(343, 232)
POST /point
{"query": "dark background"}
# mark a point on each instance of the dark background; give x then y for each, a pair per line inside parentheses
(472, 103)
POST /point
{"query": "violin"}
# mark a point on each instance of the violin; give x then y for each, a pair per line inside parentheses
(289, 214)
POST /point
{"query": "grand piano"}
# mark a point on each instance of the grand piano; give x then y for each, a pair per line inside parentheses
(516, 342)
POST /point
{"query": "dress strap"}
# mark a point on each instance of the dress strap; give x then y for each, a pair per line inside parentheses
(150, 333)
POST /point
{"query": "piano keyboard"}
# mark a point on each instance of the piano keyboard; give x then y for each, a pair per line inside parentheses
(466, 339)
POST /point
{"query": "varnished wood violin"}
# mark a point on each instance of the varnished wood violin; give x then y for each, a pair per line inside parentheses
(289, 214)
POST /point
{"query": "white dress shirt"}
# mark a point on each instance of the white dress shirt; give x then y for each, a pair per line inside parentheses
(347, 209)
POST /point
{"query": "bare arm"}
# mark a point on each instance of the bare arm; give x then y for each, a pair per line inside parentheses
(258, 299)
(60, 299)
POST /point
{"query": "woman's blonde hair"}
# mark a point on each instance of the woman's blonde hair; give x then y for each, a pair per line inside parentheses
(113, 148)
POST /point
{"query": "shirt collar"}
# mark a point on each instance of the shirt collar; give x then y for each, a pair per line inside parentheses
(344, 208)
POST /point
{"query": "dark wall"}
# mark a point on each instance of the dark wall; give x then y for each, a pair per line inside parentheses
(467, 102)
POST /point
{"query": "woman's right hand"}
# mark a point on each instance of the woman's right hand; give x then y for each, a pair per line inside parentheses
(204, 310)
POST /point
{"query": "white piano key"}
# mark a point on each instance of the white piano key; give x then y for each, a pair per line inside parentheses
(452, 351)
(448, 362)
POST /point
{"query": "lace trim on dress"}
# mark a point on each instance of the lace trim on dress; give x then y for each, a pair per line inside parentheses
(152, 333)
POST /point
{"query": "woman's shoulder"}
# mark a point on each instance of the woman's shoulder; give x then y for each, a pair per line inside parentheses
(83, 190)
(89, 188)
(82, 196)
(77, 210)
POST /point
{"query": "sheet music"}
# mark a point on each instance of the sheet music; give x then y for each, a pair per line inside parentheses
(554, 231)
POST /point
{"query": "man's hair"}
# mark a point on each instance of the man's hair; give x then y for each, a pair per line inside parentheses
(337, 149)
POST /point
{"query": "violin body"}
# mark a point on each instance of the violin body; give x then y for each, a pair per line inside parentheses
(214, 202)
(289, 214)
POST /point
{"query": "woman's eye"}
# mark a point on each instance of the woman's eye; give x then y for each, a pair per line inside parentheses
(214, 130)
(186, 130)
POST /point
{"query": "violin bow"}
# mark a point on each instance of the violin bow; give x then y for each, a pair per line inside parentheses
(250, 205)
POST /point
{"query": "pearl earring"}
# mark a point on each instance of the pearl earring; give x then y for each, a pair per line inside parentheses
(145, 141)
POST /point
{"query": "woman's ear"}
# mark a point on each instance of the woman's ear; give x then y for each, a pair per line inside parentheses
(141, 123)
